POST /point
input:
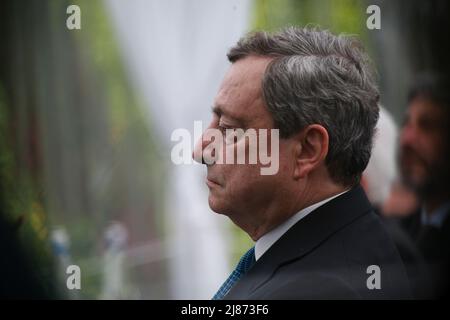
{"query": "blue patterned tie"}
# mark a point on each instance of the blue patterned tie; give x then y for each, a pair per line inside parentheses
(246, 262)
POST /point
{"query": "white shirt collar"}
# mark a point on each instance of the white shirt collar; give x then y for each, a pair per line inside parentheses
(267, 240)
(437, 217)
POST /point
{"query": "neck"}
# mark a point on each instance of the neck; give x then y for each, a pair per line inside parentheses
(275, 213)
(312, 194)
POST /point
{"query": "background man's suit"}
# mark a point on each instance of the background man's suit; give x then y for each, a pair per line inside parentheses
(434, 245)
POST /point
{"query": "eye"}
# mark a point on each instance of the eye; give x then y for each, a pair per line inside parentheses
(222, 129)
(227, 133)
(427, 124)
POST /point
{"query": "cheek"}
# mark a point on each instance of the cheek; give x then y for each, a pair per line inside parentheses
(286, 160)
(244, 184)
(437, 148)
(430, 151)
(242, 176)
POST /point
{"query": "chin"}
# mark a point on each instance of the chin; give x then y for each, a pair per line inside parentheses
(217, 206)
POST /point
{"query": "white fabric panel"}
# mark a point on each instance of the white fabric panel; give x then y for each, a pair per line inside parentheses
(175, 54)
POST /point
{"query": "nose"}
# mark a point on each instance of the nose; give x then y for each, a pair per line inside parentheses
(197, 154)
(407, 135)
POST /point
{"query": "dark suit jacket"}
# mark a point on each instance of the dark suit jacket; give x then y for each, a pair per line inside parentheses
(434, 245)
(326, 255)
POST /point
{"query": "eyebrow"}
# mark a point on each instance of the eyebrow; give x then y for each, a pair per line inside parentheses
(219, 112)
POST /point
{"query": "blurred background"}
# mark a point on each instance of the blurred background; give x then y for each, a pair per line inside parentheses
(86, 117)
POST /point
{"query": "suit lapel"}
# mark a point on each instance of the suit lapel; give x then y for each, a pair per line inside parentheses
(303, 237)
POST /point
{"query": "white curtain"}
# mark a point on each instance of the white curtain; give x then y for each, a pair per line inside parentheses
(175, 54)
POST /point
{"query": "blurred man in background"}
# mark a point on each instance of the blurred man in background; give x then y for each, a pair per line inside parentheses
(388, 195)
(390, 198)
(424, 164)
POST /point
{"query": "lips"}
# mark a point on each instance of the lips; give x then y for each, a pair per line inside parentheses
(211, 182)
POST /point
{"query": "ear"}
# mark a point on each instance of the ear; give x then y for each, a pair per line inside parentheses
(364, 183)
(312, 149)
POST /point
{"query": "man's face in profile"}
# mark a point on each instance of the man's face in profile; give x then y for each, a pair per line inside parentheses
(423, 146)
(239, 189)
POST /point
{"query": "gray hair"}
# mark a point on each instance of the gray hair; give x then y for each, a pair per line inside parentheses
(319, 78)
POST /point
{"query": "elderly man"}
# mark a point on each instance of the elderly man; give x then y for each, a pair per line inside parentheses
(315, 231)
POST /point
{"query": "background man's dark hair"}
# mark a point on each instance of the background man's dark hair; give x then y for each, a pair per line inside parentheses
(432, 86)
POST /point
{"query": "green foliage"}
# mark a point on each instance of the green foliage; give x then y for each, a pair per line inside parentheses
(22, 208)
(339, 16)
(90, 126)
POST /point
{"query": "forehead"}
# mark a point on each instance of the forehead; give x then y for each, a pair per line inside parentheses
(240, 94)
(424, 108)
